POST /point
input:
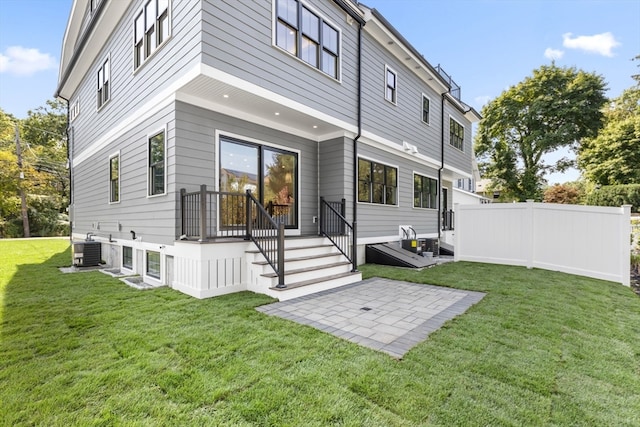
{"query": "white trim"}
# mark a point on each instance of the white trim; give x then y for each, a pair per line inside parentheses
(388, 69)
(422, 109)
(150, 135)
(116, 154)
(321, 16)
(106, 59)
(158, 281)
(74, 110)
(161, 45)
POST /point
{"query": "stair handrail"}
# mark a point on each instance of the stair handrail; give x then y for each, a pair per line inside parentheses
(334, 220)
(270, 245)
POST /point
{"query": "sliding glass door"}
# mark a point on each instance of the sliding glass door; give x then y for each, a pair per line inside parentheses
(271, 174)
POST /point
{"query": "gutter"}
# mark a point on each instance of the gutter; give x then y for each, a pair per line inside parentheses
(69, 162)
(355, 153)
(440, 211)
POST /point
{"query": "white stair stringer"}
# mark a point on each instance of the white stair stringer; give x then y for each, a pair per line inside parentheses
(311, 265)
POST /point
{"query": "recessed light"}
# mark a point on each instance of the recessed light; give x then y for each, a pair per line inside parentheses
(277, 114)
(225, 96)
(315, 126)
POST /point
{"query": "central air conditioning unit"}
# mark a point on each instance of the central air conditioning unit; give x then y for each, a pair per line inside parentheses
(87, 253)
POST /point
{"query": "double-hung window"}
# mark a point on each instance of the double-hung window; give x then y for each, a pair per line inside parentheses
(114, 178)
(377, 183)
(150, 29)
(104, 76)
(391, 85)
(425, 192)
(157, 164)
(426, 104)
(306, 35)
(456, 134)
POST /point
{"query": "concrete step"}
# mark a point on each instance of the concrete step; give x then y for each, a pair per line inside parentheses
(296, 263)
(310, 273)
(311, 286)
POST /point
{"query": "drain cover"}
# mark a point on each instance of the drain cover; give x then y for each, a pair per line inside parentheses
(365, 308)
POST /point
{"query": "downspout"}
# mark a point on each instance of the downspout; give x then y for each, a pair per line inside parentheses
(355, 152)
(69, 163)
(442, 98)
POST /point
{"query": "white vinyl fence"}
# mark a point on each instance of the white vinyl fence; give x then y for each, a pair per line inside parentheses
(584, 240)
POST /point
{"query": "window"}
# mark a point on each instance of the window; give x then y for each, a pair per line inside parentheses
(456, 134)
(391, 85)
(156, 164)
(74, 110)
(153, 264)
(103, 83)
(127, 257)
(114, 178)
(377, 183)
(425, 109)
(304, 34)
(425, 192)
(150, 29)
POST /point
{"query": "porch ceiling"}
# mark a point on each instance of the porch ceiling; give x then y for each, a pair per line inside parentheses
(259, 108)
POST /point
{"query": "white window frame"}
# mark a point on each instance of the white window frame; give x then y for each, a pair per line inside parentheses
(104, 80)
(74, 110)
(146, 265)
(464, 132)
(321, 46)
(394, 94)
(133, 258)
(111, 157)
(428, 122)
(163, 131)
(148, 29)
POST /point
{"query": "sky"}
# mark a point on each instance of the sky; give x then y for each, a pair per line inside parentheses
(485, 45)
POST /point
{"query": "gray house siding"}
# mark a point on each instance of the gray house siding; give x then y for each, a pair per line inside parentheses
(238, 35)
(132, 89)
(336, 172)
(382, 220)
(152, 218)
(197, 161)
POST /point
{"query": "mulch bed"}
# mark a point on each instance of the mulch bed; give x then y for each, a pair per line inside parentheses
(635, 281)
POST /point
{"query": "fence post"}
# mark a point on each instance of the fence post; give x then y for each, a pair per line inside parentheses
(354, 248)
(457, 241)
(625, 250)
(203, 213)
(182, 228)
(280, 250)
(530, 244)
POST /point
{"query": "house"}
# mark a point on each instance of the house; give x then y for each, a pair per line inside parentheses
(340, 130)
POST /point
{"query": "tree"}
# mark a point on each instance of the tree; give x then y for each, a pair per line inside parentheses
(556, 107)
(613, 156)
(569, 193)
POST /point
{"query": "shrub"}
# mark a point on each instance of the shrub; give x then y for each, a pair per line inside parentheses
(616, 195)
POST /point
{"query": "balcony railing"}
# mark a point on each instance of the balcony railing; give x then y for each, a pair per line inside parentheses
(455, 88)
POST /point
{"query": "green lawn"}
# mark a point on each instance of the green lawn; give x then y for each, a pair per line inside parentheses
(541, 348)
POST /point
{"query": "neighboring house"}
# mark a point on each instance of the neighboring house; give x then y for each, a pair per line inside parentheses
(294, 100)
(485, 189)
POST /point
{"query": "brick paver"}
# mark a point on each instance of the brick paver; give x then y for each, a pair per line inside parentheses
(386, 315)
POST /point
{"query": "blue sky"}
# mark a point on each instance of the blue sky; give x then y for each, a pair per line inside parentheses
(486, 45)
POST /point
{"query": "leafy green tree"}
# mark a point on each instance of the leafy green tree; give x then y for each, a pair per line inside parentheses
(554, 108)
(613, 156)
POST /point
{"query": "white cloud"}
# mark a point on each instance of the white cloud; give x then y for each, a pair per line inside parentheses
(25, 62)
(601, 44)
(553, 54)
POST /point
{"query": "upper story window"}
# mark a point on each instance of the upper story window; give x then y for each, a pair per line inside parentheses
(74, 110)
(425, 192)
(151, 29)
(157, 164)
(114, 178)
(95, 4)
(426, 106)
(456, 134)
(391, 85)
(377, 183)
(104, 83)
(308, 36)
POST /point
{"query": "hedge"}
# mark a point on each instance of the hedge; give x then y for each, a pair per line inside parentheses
(616, 195)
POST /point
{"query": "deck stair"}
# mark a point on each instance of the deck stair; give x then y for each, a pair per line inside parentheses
(312, 264)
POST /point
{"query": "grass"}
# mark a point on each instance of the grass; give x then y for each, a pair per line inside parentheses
(541, 348)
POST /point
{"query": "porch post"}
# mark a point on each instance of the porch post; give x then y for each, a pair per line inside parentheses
(321, 218)
(354, 248)
(280, 249)
(247, 219)
(203, 213)
(182, 209)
